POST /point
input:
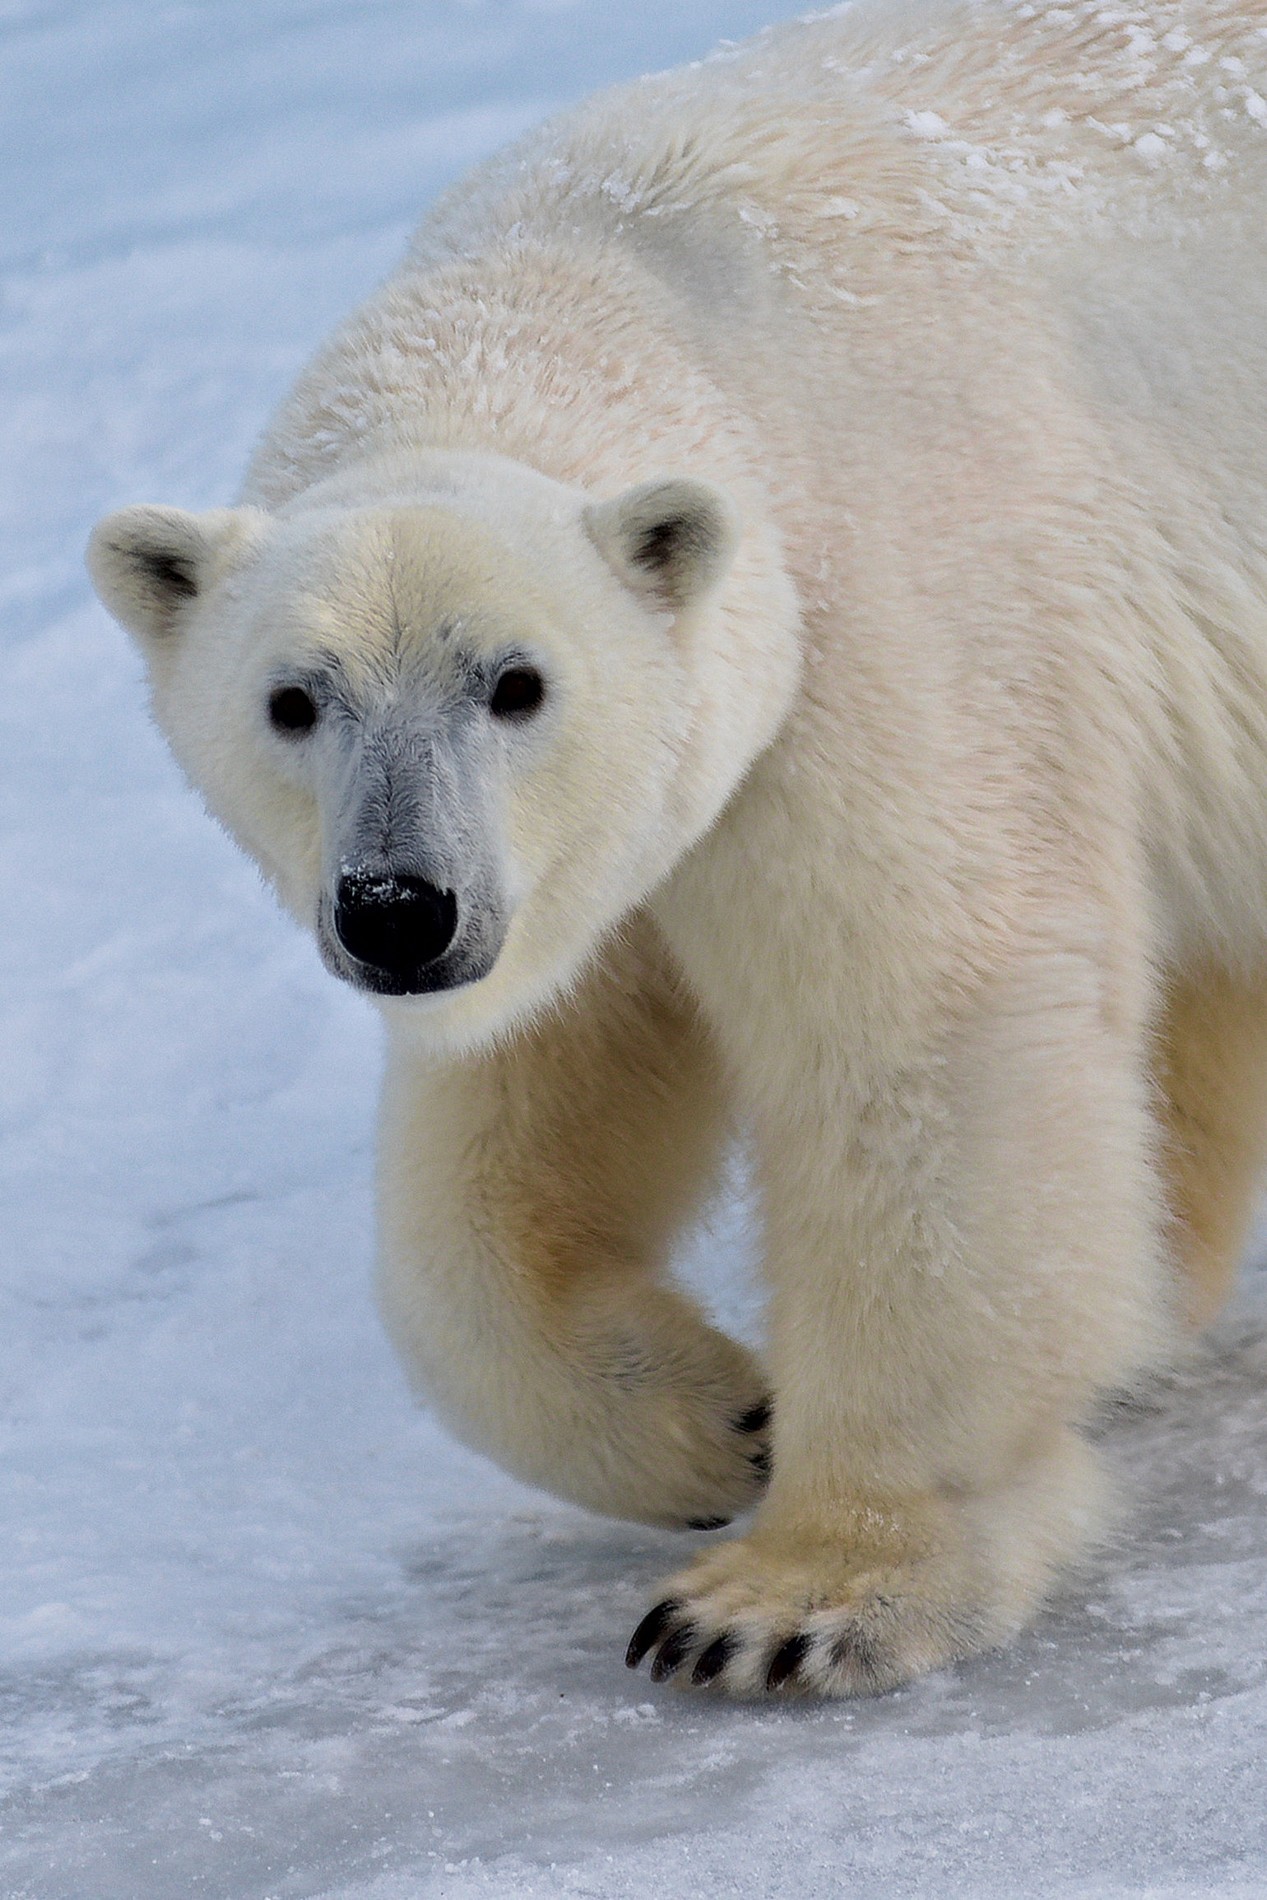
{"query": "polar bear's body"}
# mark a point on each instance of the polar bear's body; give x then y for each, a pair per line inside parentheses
(933, 846)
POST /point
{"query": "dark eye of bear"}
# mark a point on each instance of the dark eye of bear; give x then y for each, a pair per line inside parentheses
(518, 692)
(292, 710)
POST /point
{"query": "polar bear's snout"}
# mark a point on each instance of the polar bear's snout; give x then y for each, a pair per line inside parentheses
(394, 933)
(395, 927)
(412, 896)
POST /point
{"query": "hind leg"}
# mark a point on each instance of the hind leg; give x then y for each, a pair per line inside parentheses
(1212, 1068)
(529, 1199)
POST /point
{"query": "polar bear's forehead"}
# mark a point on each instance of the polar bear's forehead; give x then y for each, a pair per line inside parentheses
(381, 591)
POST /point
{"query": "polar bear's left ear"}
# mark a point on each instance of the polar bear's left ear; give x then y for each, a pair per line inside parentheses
(670, 541)
(147, 564)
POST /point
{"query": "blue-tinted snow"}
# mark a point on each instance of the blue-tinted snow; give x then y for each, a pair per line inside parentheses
(264, 1630)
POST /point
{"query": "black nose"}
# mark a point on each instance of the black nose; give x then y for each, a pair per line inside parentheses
(394, 925)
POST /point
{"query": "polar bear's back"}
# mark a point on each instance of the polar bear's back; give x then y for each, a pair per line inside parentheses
(793, 179)
(976, 116)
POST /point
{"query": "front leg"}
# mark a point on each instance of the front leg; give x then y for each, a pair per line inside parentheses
(529, 1199)
(961, 1264)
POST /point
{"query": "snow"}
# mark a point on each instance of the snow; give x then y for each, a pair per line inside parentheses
(264, 1629)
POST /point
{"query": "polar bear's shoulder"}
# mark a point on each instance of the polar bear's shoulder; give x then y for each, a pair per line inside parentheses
(776, 181)
(1007, 104)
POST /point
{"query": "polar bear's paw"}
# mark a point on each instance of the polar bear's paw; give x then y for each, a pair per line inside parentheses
(750, 1618)
(667, 1420)
(685, 1457)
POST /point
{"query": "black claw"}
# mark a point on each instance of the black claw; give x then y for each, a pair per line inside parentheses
(707, 1523)
(755, 1419)
(786, 1660)
(760, 1462)
(650, 1630)
(714, 1660)
(672, 1652)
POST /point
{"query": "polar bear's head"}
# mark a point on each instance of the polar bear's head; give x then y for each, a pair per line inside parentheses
(463, 722)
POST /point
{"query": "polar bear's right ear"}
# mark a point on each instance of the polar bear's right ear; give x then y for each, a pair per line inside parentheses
(148, 563)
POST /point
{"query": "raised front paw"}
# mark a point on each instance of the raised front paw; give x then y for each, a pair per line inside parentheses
(751, 1618)
(699, 1463)
(678, 1425)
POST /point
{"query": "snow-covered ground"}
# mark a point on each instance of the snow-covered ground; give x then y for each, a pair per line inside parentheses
(264, 1629)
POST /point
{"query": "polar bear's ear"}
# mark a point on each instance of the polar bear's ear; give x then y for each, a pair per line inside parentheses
(148, 563)
(670, 541)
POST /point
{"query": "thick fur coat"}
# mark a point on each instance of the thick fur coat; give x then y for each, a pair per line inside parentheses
(853, 452)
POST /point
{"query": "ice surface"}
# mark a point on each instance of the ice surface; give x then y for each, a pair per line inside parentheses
(264, 1630)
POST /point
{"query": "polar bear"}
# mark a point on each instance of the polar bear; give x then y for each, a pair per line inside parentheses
(762, 620)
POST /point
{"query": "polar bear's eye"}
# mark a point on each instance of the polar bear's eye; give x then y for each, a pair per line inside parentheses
(518, 692)
(292, 710)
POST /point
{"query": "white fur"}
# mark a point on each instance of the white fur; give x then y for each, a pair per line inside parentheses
(890, 832)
